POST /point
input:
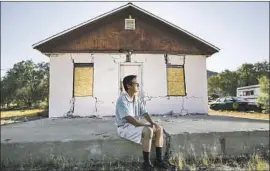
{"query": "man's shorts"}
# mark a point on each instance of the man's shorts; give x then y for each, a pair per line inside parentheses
(130, 132)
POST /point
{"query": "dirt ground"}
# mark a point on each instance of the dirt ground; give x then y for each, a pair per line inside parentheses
(250, 115)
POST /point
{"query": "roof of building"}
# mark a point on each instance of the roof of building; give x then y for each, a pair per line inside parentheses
(41, 43)
(248, 87)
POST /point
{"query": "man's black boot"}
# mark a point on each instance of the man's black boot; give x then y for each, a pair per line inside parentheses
(159, 162)
(147, 166)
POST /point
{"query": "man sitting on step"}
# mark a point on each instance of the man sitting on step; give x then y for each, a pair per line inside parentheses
(129, 109)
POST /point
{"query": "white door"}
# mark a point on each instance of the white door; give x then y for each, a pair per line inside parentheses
(130, 69)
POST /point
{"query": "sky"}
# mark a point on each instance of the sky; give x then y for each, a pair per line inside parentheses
(239, 29)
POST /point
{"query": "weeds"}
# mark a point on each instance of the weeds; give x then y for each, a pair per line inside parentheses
(179, 162)
(256, 162)
(247, 163)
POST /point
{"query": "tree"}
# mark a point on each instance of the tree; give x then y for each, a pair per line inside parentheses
(225, 83)
(229, 82)
(25, 84)
(247, 75)
(7, 90)
(262, 69)
(5, 98)
(213, 85)
(263, 97)
(43, 85)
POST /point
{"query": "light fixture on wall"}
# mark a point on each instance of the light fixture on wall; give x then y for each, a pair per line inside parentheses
(128, 56)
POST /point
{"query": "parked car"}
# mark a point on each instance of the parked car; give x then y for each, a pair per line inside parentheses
(212, 98)
(233, 103)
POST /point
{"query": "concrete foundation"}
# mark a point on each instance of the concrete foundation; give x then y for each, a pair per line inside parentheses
(92, 139)
(194, 136)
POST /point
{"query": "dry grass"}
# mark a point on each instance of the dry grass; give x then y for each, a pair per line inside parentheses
(241, 163)
(252, 163)
(14, 116)
(3, 122)
(257, 163)
(18, 113)
(250, 115)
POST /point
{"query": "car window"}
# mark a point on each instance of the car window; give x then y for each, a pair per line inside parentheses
(239, 99)
(229, 99)
(221, 100)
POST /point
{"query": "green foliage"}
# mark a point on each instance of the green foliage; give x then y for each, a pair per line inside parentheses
(226, 82)
(211, 73)
(247, 75)
(26, 84)
(263, 98)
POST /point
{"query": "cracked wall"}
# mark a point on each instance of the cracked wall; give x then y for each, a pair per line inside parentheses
(106, 84)
(60, 96)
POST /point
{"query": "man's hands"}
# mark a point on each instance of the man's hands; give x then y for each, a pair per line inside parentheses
(154, 124)
(135, 122)
(148, 118)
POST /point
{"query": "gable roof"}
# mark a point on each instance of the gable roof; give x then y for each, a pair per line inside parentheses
(39, 44)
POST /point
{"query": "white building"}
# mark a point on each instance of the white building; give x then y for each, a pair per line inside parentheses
(249, 93)
(89, 61)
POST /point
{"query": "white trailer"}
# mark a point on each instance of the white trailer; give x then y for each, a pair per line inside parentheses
(249, 93)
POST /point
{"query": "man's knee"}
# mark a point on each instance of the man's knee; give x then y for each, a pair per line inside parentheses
(147, 132)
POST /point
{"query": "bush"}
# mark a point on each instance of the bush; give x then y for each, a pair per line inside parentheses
(263, 97)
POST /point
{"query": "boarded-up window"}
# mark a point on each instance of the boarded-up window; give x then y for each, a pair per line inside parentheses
(176, 81)
(83, 79)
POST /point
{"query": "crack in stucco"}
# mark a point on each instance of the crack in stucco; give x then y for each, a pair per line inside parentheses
(92, 58)
(96, 101)
(144, 99)
(183, 110)
(116, 58)
(71, 109)
(149, 98)
(96, 107)
(72, 60)
(193, 97)
(70, 113)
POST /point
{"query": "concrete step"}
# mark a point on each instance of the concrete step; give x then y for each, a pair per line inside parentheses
(95, 140)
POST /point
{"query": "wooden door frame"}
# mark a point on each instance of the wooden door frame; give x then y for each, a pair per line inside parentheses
(130, 64)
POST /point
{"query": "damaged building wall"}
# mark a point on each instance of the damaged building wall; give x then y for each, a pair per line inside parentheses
(106, 84)
(60, 96)
(155, 84)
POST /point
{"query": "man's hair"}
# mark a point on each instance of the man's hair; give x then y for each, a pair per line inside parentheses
(128, 80)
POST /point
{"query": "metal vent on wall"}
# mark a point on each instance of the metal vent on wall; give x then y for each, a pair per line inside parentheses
(129, 24)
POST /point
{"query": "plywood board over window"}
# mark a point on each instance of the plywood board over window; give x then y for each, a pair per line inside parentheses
(176, 80)
(83, 79)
